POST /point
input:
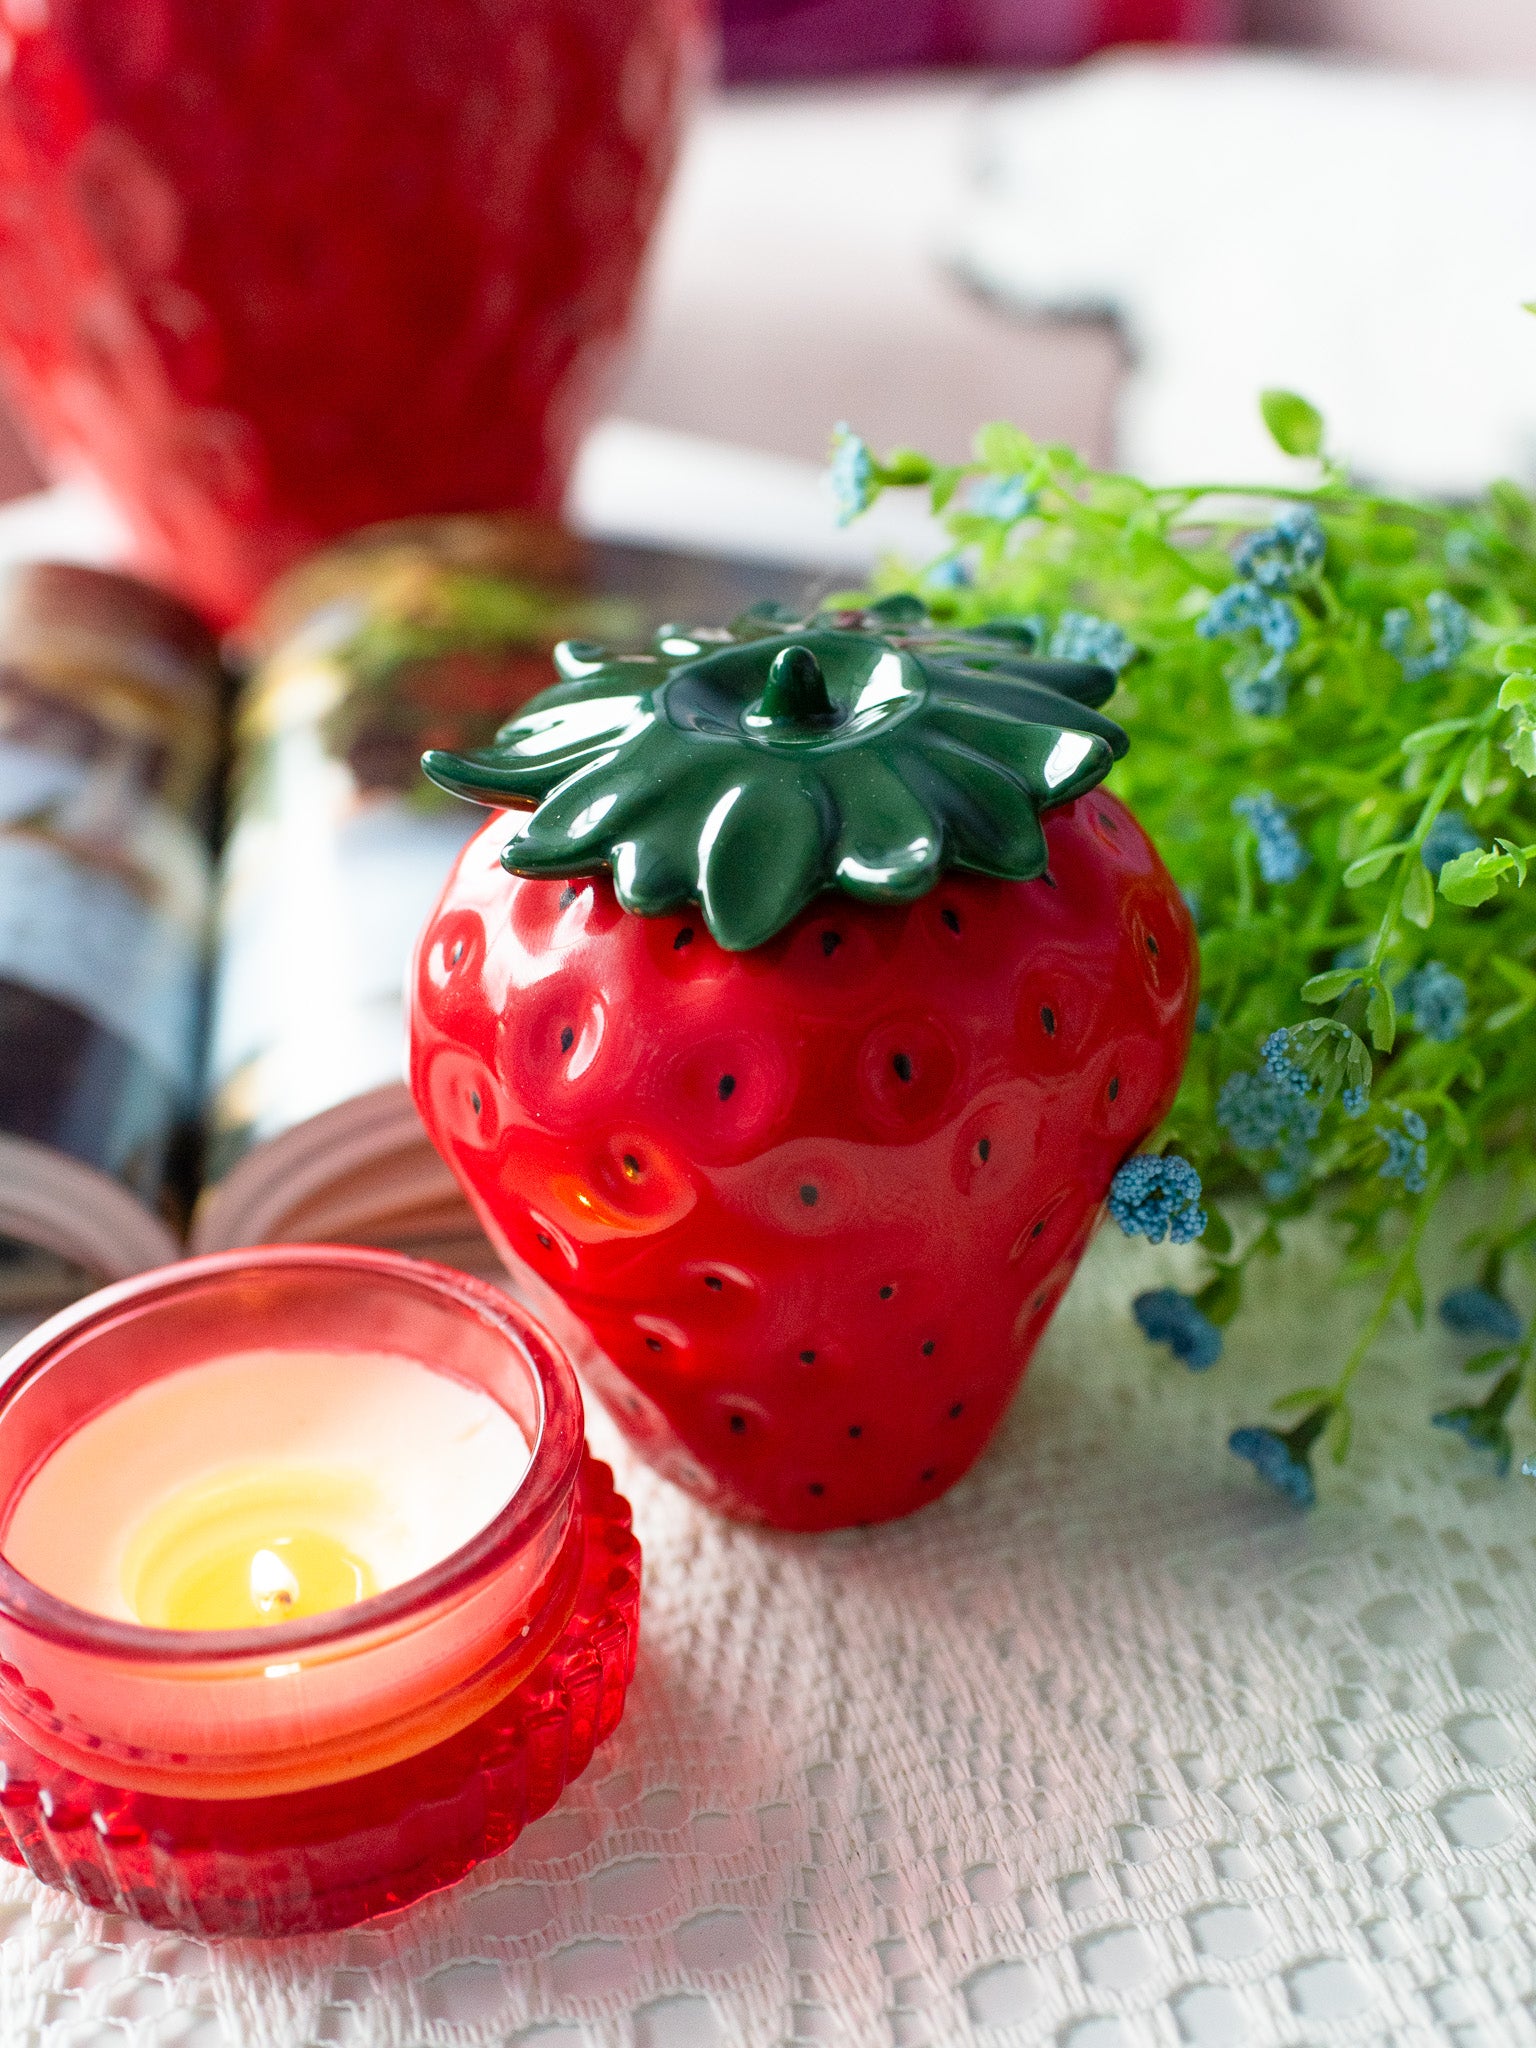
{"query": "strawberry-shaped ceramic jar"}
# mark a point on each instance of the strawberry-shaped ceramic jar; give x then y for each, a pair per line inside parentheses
(795, 1037)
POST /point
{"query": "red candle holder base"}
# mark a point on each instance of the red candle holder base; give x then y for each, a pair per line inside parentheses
(301, 1862)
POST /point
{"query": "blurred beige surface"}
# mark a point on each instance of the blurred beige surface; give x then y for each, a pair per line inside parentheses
(799, 279)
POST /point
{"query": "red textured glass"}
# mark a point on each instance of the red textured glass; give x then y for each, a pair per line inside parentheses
(277, 270)
(312, 1773)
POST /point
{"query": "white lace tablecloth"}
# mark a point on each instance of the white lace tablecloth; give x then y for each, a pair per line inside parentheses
(1109, 1748)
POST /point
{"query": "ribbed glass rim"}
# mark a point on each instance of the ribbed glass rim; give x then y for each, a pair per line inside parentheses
(547, 1485)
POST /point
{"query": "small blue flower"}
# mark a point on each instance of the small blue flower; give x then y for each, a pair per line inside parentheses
(1407, 1157)
(1282, 857)
(1257, 1113)
(1277, 557)
(1168, 1317)
(1437, 1001)
(1156, 1197)
(1280, 1067)
(1284, 1457)
(855, 484)
(1082, 636)
(999, 497)
(1263, 695)
(1479, 1312)
(1448, 837)
(1448, 638)
(1356, 1101)
(1233, 610)
(1281, 1182)
(953, 573)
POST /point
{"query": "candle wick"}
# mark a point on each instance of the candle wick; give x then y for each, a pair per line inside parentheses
(273, 1587)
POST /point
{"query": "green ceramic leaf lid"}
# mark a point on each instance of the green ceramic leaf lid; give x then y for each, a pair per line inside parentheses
(748, 770)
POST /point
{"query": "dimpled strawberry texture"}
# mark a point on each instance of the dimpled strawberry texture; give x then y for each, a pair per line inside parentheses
(816, 1202)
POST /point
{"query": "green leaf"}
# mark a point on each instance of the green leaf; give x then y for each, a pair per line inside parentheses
(1381, 1017)
(1222, 1296)
(1517, 689)
(1472, 878)
(1430, 739)
(1521, 745)
(943, 485)
(1217, 1238)
(1419, 897)
(1340, 1432)
(906, 466)
(1478, 773)
(1516, 854)
(1003, 447)
(1370, 867)
(1295, 426)
(1323, 988)
(1301, 1397)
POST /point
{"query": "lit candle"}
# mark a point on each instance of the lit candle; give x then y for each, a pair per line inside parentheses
(265, 1486)
(302, 1561)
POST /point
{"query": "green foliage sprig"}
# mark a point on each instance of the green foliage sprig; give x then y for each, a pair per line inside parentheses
(1331, 695)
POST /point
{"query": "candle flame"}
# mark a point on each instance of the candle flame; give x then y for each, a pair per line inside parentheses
(274, 1588)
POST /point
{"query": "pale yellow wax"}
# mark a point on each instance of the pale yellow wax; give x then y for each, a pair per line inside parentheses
(265, 1486)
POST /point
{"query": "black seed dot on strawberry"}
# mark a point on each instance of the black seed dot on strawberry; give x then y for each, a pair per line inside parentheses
(545, 1239)
(684, 938)
(567, 1039)
(632, 1405)
(727, 1087)
(903, 1065)
(931, 1473)
(807, 1358)
(817, 1488)
(631, 1166)
(830, 941)
(958, 1409)
(713, 1282)
(1114, 1087)
(1106, 821)
(567, 897)
(1038, 1302)
(1151, 945)
(951, 918)
(810, 1196)
(653, 1343)
(855, 1429)
(886, 1293)
(456, 953)
(1038, 1228)
(928, 1349)
(1048, 1021)
(983, 1149)
(1049, 879)
(738, 1424)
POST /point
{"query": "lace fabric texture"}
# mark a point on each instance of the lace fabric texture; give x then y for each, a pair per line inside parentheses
(1110, 1748)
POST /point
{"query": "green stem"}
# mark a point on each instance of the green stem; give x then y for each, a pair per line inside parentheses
(1402, 1268)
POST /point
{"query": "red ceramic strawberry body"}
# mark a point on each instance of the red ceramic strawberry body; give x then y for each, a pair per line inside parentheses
(816, 1200)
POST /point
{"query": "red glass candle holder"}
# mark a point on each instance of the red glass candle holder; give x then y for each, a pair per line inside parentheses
(309, 1774)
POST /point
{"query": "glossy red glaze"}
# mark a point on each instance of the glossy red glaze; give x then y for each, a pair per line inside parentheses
(816, 1202)
(278, 270)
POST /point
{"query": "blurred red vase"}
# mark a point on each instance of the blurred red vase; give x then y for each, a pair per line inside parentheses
(273, 270)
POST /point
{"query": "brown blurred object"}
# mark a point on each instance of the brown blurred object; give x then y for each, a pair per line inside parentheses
(1487, 38)
(20, 469)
